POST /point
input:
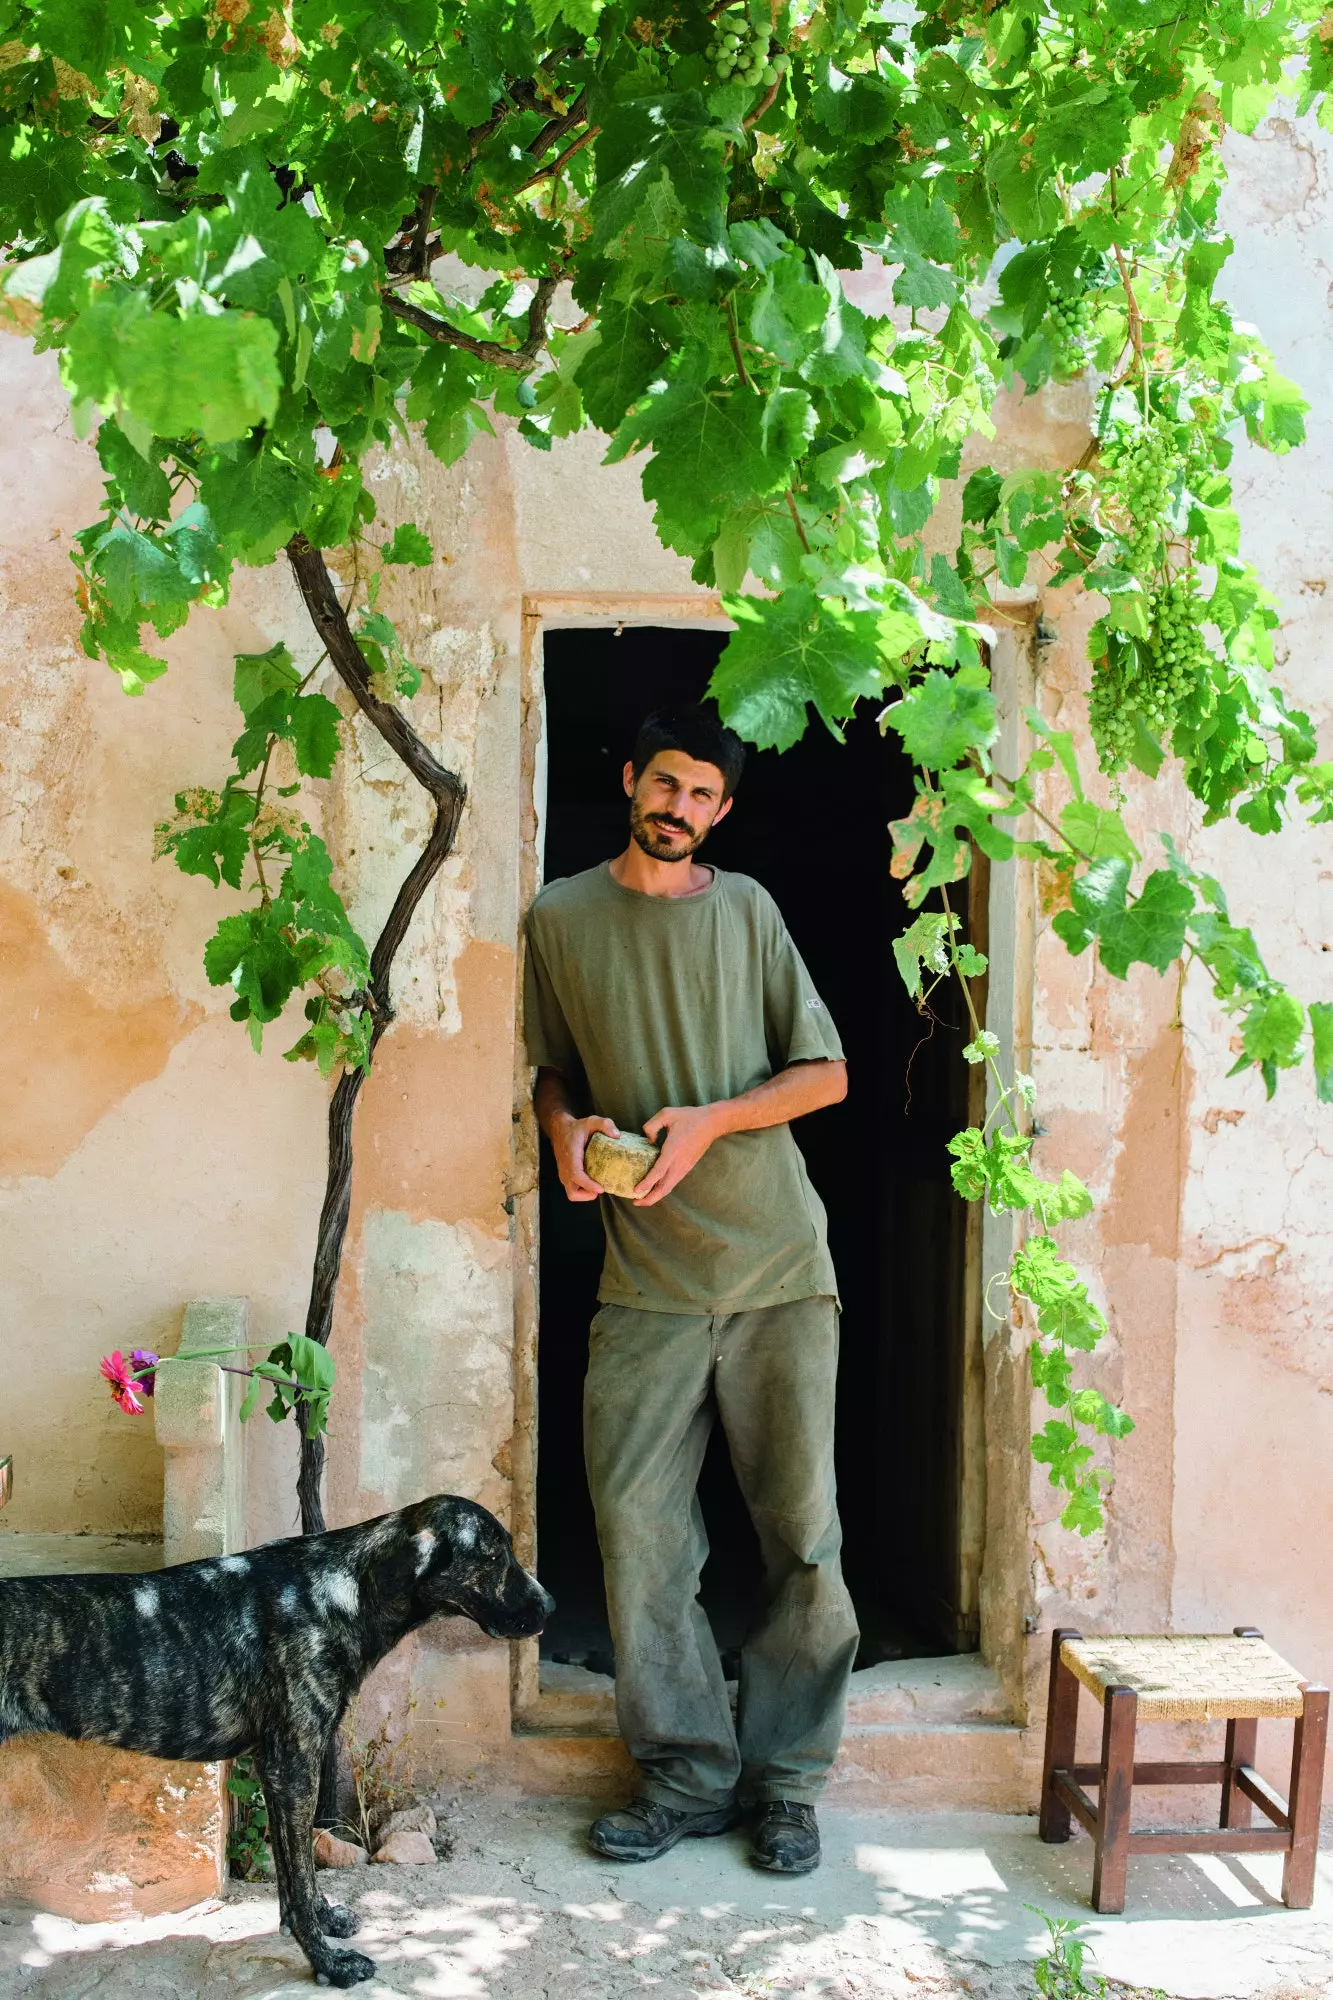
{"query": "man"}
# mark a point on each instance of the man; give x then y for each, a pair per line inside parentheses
(665, 995)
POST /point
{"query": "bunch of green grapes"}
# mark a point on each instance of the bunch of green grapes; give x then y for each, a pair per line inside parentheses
(1070, 316)
(739, 51)
(1143, 467)
(1151, 677)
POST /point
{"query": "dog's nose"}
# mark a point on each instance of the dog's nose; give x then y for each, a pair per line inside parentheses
(545, 1601)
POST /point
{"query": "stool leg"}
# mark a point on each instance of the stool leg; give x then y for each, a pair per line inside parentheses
(1061, 1736)
(1242, 1740)
(1119, 1716)
(1307, 1784)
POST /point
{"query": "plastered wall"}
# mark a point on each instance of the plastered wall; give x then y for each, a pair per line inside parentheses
(1210, 1247)
(148, 1157)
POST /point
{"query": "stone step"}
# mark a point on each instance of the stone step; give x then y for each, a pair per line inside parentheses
(949, 1766)
(920, 1733)
(957, 1688)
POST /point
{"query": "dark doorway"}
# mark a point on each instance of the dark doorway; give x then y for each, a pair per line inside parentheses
(811, 825)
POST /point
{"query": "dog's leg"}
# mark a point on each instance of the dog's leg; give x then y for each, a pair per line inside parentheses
(336, 1920)
(290, 1773)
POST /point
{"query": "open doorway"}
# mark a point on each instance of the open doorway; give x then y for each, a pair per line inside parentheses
(811, 825)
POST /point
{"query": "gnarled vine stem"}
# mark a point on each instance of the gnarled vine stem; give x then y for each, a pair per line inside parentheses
(493, 351)
(449, 793)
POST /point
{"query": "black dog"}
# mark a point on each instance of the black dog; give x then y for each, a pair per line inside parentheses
(258, 1652)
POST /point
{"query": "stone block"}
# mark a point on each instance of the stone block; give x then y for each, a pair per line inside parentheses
(407, 1850)
(95, 1834)
(330, 1852)
(197, 1413)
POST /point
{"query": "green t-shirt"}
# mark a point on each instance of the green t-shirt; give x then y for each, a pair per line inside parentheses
(651, 1001)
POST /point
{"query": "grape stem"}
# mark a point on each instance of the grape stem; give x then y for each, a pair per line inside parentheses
(764, 105)
(800, 525)
(561, 160)
(734, 337)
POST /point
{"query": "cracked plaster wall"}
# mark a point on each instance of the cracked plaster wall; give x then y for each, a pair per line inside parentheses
(148, 1157)
(1254, 1371)
(1210, 1248)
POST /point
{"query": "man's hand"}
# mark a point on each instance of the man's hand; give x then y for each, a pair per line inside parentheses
(569, 1137)
(689, 1133)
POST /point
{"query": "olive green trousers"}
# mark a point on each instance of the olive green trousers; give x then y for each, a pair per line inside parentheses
(655, 1383)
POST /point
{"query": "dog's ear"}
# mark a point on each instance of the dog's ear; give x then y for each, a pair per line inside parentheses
(429, 1550)
(403, 1564)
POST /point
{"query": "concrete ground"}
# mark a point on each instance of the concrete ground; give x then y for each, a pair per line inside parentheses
(905, 1904)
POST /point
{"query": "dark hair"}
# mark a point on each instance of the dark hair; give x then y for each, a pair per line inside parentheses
(698, 732)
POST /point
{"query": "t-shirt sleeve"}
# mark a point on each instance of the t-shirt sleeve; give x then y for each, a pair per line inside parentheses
(545, 1029)
(797, 1025)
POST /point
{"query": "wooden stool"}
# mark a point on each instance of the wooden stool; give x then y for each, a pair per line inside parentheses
(1193, 1678)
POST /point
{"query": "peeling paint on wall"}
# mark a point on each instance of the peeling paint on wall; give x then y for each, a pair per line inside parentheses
(68, 1057)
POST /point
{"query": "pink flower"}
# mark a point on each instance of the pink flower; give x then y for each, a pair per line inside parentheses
(124, 1390)
(145, 1368)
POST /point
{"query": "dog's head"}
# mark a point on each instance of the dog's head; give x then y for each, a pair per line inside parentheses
(463, 1561)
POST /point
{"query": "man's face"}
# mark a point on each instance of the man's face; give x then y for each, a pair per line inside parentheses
(674, 804)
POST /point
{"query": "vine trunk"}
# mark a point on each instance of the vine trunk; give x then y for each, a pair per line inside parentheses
(449, 795)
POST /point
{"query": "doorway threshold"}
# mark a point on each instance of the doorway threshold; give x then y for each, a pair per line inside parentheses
(922, 1734)
(957, 1688)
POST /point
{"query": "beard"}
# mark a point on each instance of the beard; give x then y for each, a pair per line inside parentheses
(644, 828)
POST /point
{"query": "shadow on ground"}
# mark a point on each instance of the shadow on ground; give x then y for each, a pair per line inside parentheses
(905, 1904)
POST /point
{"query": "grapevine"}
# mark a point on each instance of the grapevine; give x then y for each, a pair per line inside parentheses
(233, 239)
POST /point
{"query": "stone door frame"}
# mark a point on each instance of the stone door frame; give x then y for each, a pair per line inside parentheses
(994, 1518)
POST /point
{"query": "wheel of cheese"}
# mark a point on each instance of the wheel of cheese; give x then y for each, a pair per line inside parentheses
(618, 1165)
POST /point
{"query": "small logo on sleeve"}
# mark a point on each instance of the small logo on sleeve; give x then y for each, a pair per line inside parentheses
(814, 1003)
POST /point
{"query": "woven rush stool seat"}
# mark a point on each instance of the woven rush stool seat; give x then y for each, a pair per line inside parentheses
(1194, 1677)
(1190, 1678)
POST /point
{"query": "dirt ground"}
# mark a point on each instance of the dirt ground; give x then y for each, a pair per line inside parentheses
(919, 1905)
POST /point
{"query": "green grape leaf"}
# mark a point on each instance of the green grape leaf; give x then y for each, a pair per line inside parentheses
(923, 238)
(1150, 930)
(1059, 1296)
(1321, 1032)
(215, 375)
(314, 724)
(309, 722)
(1096, 831)
(258, 675)
(922, 946)
(1276, 419)
(141, 483)
(210, 835)
(407, 544)
(1061, 743)
(651, 145)
(1083, 1512)
(981, 495)
(249, 952)
(716, 447)
(790, 652)
(944, 717)
(1272, 1029)
(617, 367)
